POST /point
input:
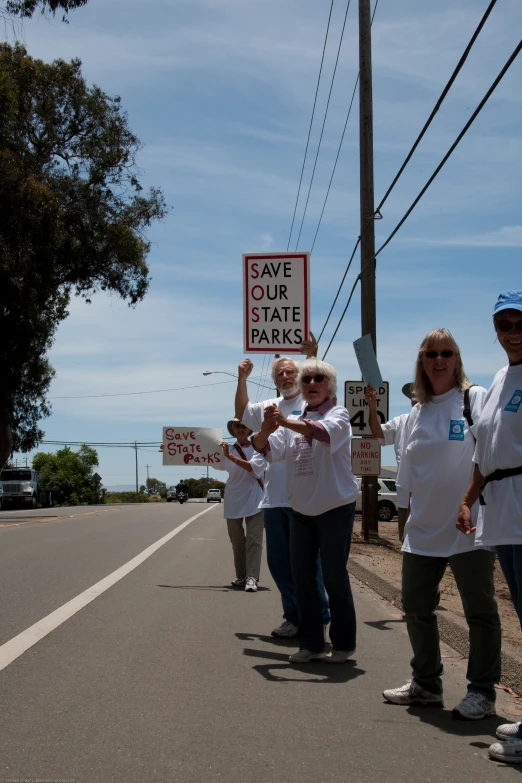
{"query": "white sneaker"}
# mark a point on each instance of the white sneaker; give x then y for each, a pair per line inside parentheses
(338, 656)
(285, 631)
(510, 751)
(250, 585)
(474, 706)
(411, 693)
(305, 656)
(238, 582)
(508, 731)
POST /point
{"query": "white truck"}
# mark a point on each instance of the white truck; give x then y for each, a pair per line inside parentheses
(21, 487)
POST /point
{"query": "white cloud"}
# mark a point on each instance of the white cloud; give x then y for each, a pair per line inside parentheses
(507, 236)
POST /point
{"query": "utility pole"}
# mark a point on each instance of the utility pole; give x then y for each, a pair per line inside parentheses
(368, 315)
(277, 356)
(148, 466)
(136, 453)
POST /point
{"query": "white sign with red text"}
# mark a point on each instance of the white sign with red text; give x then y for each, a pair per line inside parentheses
(366, 457)
(276, 301)
(192, 446)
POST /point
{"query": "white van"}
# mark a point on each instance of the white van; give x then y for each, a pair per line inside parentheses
(214, 496)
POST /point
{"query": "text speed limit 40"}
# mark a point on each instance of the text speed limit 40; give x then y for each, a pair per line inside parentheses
(357, 406)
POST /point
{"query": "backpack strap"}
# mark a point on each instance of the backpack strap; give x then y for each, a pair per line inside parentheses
(466, 412)
(243, 456)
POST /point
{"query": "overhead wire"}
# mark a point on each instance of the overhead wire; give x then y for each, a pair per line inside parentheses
(311, 123)
(457, 141)
(150, 391)
(324, 123)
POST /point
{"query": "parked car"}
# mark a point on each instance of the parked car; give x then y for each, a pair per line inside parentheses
(387, 499)
(171, 494)
(214, 496)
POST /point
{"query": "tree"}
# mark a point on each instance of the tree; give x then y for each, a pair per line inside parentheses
(156, 487)
(70, 475)
(72, 219)
(26, 8)
(199, 487)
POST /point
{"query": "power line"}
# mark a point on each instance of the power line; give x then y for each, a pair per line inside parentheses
(324, 123)
(151, 391)
(339, 289)
(311, 123)
(439, 102)
(339, 148)
(454, 145)
(459, 138)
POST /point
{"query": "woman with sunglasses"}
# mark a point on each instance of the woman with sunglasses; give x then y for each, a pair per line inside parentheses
(435, 467)
(322, 491)
(498, 478)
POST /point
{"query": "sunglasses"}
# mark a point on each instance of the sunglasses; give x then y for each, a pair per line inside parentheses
(447, 354)
(507, 326)
(309, 378)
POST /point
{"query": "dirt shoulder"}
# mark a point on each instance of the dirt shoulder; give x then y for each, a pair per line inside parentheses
(383, 557)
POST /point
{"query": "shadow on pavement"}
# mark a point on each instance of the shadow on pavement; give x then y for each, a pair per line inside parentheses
(324, 673)
(222, 588)
(381, 625)
(251, 637)
(443, 719)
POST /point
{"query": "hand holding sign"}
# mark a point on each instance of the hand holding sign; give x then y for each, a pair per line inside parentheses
(310, 347)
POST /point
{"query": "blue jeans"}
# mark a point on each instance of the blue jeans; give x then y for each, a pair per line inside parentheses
(510, 559)
(328, 535)
(277, 536)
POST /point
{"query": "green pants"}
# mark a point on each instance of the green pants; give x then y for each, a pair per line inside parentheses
(473, 572)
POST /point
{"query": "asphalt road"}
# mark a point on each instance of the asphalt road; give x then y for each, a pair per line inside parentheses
(167, 674)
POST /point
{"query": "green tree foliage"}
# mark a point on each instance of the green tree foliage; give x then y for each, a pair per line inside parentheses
(26, 8)
(70, 475)
(198, 488)
(72, 219)
(126, 497)
(156, 487)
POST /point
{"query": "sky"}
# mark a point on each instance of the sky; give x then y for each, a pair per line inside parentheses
(220, 92)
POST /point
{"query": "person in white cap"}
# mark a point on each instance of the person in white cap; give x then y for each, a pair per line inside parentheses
(497, 480)
(243, 494)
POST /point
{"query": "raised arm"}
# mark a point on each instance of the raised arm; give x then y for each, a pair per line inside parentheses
(242, 463)
(241, 400)
(375, 424)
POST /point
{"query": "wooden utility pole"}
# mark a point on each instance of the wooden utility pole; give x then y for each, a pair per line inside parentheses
(368, 317)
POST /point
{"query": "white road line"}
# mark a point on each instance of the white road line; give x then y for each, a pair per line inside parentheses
(16, 646)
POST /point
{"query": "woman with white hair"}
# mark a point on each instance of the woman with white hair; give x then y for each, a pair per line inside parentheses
(435, 469)
(322, 491)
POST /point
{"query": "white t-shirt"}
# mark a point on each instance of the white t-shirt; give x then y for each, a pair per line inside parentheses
(436, 466)
(243, 493)
(393, 432)
(276, 493)
(499, 446)
(319, 477)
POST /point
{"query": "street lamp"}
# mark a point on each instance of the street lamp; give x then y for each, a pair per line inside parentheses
(220, 372)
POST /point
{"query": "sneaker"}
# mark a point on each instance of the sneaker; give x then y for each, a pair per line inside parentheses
(510, 751)
(251, 585)
(508, 731)
(411, 693)
(305, 656)
(474, 706)
(285, 631)
(338, 656)
(238, 582)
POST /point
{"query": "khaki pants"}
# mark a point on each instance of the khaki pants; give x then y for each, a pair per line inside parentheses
(247, 547)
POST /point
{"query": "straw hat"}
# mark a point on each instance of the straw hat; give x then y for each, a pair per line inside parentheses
(408, 390)
(230, 425)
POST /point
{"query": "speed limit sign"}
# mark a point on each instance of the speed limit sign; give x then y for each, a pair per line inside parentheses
(357, 406)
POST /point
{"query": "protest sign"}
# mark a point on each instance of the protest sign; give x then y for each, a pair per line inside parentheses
(276, 302)
(367, 359)
(192, 446)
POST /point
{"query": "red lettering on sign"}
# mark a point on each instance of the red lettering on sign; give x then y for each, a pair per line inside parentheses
(258, 288)
(255, 272)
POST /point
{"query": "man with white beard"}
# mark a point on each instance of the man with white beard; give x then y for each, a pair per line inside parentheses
(275, 505)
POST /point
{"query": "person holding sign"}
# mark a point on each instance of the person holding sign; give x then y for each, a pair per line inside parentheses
(275, 504)
(316, 449)
(391, 434)
(435, 469)
(243, 494)
(497, 480)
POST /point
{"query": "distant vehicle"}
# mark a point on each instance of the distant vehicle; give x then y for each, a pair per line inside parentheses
(171, 494)
(387, 499)
(214, 496)
(1, 496)
(21, 487)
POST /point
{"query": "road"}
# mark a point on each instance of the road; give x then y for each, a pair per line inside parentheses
(125, 664)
